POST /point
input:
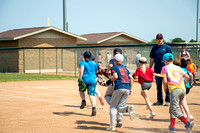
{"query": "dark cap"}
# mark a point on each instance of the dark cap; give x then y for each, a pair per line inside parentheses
(92, 57)
(117, 51)
(159, 36)
(87, 54)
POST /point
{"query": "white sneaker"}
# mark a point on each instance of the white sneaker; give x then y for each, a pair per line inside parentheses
(147, 106)
(131, 111)
(110, 128)
(152, 115)
(190, 118)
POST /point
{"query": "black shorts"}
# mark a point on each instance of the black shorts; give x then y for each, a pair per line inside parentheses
(187, 90)
(146, 85)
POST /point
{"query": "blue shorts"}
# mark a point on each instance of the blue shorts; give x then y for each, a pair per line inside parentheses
(90, 88)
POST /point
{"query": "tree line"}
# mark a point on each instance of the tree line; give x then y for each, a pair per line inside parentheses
(175, 40)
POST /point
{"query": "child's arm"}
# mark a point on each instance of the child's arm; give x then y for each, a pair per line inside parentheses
(131, 82)
(186, 78)
(195, 69)
(158, 75)
(81, 71)
(109, 67)
(165, 83)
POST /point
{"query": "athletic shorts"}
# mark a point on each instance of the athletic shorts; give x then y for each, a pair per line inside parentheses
(146, 85)
(187, 90)
(90, 88)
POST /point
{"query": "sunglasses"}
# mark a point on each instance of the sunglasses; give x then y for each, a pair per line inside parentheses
(159, 38)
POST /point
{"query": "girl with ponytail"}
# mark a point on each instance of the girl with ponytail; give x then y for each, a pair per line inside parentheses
(145, 78)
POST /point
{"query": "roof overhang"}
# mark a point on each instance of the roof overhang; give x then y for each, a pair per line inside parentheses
(49, 28)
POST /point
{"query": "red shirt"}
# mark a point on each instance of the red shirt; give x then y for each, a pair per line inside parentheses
(144, 77)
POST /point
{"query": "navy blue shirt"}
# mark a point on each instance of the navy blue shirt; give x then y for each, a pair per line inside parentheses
(157, 53)
(123, 77)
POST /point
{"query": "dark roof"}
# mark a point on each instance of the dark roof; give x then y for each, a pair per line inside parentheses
(25, 32)
(19, 32)
(97, 38)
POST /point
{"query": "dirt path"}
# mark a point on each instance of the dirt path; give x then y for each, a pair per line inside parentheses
(53, 107)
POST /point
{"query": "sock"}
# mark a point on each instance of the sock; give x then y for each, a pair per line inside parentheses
(83, 101)
(183, 119)
(173, 121)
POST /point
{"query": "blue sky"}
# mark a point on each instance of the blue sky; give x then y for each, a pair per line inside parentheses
(140, 18)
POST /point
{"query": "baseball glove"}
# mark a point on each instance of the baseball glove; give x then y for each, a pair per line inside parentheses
(105, 74)
(81, 84)
(102, 81)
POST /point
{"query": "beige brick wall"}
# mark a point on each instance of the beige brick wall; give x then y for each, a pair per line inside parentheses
(47, 42)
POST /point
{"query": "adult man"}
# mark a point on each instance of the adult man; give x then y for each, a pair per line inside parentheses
(156, 56)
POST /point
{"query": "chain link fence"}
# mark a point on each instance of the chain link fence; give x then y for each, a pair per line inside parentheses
(65, 60)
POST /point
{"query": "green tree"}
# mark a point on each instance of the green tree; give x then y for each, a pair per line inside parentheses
(178, 40)
(192, 40)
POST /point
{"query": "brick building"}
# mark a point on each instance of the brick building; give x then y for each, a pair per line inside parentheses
(15, 60)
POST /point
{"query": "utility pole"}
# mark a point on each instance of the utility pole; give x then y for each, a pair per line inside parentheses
(65, 24)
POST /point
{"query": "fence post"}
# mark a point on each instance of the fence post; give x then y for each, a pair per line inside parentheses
(75, 59)
(56, 62)
(39, 63)
(24, 65)
(43, 59)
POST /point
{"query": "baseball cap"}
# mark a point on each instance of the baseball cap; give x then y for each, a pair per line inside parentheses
(92, 57)
(143, 60)
(168, 56)
(117, 51)
(119, 57)
(87, 54)
(159, 36)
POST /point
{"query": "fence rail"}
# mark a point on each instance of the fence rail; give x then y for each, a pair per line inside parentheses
(65, 60)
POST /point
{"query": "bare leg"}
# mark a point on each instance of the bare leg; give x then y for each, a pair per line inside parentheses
(82, 95)
(92, 100)
(144, 93)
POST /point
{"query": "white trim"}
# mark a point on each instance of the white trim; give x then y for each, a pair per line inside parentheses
(50, 28)
(122, 33)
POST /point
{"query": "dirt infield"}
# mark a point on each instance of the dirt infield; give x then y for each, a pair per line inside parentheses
(53, 107)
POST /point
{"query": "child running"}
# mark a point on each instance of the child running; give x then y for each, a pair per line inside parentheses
(173, 78)
(123, 84)
(87, 71)
(145, 78)
(184, 106)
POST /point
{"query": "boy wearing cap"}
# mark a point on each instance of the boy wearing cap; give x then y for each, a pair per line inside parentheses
(173, 78)
(156, 55)
(123, 84)
(87, 71)
(110, 87)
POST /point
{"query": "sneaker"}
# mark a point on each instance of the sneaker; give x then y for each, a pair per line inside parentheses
(189, 126)
(171, 129)
(94, 111)
(83, 104)
(131, 111)
(152, 115)
(110, 128)
(190, 118)
(101, 101)
(157, 104)
(167, 104)
(119, 123)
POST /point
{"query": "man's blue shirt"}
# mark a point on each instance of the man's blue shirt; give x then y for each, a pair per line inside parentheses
(157, 53)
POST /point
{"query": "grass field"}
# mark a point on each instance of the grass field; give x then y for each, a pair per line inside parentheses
(6, 77)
